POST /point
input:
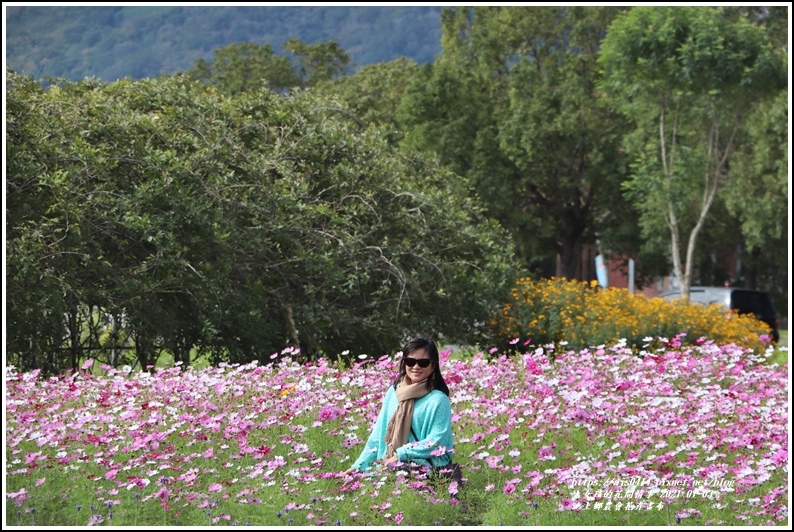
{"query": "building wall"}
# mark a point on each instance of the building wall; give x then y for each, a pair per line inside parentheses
(618, 275)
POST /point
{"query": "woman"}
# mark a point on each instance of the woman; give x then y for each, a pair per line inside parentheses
(414, 425)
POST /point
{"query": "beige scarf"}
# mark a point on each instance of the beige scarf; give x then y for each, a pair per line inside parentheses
(400, 423)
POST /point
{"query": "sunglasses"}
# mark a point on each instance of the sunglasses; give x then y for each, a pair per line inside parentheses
(423, 362)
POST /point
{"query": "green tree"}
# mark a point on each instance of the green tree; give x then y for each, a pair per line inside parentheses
(36, 292)
(241, 67)
(757, 193)
(128, 228)
(511, 102)
(175, 218)
(374, 94)
(687, 77)
(318, 62)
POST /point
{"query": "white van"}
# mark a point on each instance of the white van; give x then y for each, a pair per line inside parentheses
(741, 300)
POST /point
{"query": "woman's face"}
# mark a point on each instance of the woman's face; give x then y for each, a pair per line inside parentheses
(417, 373)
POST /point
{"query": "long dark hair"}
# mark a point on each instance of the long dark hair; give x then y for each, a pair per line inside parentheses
(436, 380)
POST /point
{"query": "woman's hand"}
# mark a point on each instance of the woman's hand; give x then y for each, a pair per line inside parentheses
(389, 461)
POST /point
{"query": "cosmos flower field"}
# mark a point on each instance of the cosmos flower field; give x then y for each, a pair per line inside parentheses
(674, 435)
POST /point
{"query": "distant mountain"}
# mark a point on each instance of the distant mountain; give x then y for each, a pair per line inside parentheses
(115, 42)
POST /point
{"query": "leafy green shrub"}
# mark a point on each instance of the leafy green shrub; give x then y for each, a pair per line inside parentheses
(582, 314)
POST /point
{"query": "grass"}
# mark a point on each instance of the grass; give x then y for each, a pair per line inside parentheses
(781, 352)
(784, 339)
(541, 444)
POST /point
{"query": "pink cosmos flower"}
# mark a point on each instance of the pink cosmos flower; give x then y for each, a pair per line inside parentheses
(440, 450)
(328, 413)
(532, 367)
(350, 441)
(149, 400)
(214, 487)
(565, 504)
(545, 453)
(19, 497)
(624, 385)
(493, 461)
(780, 457)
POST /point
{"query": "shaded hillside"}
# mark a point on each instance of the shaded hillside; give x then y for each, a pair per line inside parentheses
(115, 41)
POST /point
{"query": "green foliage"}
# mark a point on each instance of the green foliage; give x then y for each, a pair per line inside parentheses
(241, 67)
(577, 315)
(374, 93)
(229, 226)
(222, 223)
(511, 103)
(758, 189)
(687, 77)
(318, 62)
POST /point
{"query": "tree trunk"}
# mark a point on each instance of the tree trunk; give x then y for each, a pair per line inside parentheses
(293, 332)
(570, 252)
(74, 337)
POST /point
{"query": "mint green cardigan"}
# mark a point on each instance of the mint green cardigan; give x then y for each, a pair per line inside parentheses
(431, 429)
